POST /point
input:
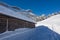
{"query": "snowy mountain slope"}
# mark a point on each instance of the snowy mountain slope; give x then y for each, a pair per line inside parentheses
(53, 23)
(38, 33)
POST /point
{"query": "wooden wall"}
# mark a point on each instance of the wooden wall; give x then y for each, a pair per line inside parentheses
(2, 24)
(13, 23)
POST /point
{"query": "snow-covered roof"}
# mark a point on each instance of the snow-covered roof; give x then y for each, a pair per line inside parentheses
(7, 11)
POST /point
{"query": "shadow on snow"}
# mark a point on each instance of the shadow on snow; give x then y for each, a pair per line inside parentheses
(39, 33)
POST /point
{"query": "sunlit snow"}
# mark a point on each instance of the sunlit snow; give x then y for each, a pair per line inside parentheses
(52, 23)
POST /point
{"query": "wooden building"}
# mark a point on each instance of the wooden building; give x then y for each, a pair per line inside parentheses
(11, 20)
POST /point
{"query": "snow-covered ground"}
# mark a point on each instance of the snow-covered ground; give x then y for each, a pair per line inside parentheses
(10, 33)
(52, 23)
(38, 33)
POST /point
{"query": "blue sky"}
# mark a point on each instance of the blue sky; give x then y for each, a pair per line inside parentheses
(37, 6)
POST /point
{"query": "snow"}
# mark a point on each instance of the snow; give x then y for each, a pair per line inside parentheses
(52, 23)
(9, 12)
(38, 33)
(10, 33)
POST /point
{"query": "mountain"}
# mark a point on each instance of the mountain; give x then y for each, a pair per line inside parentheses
(29, 14)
